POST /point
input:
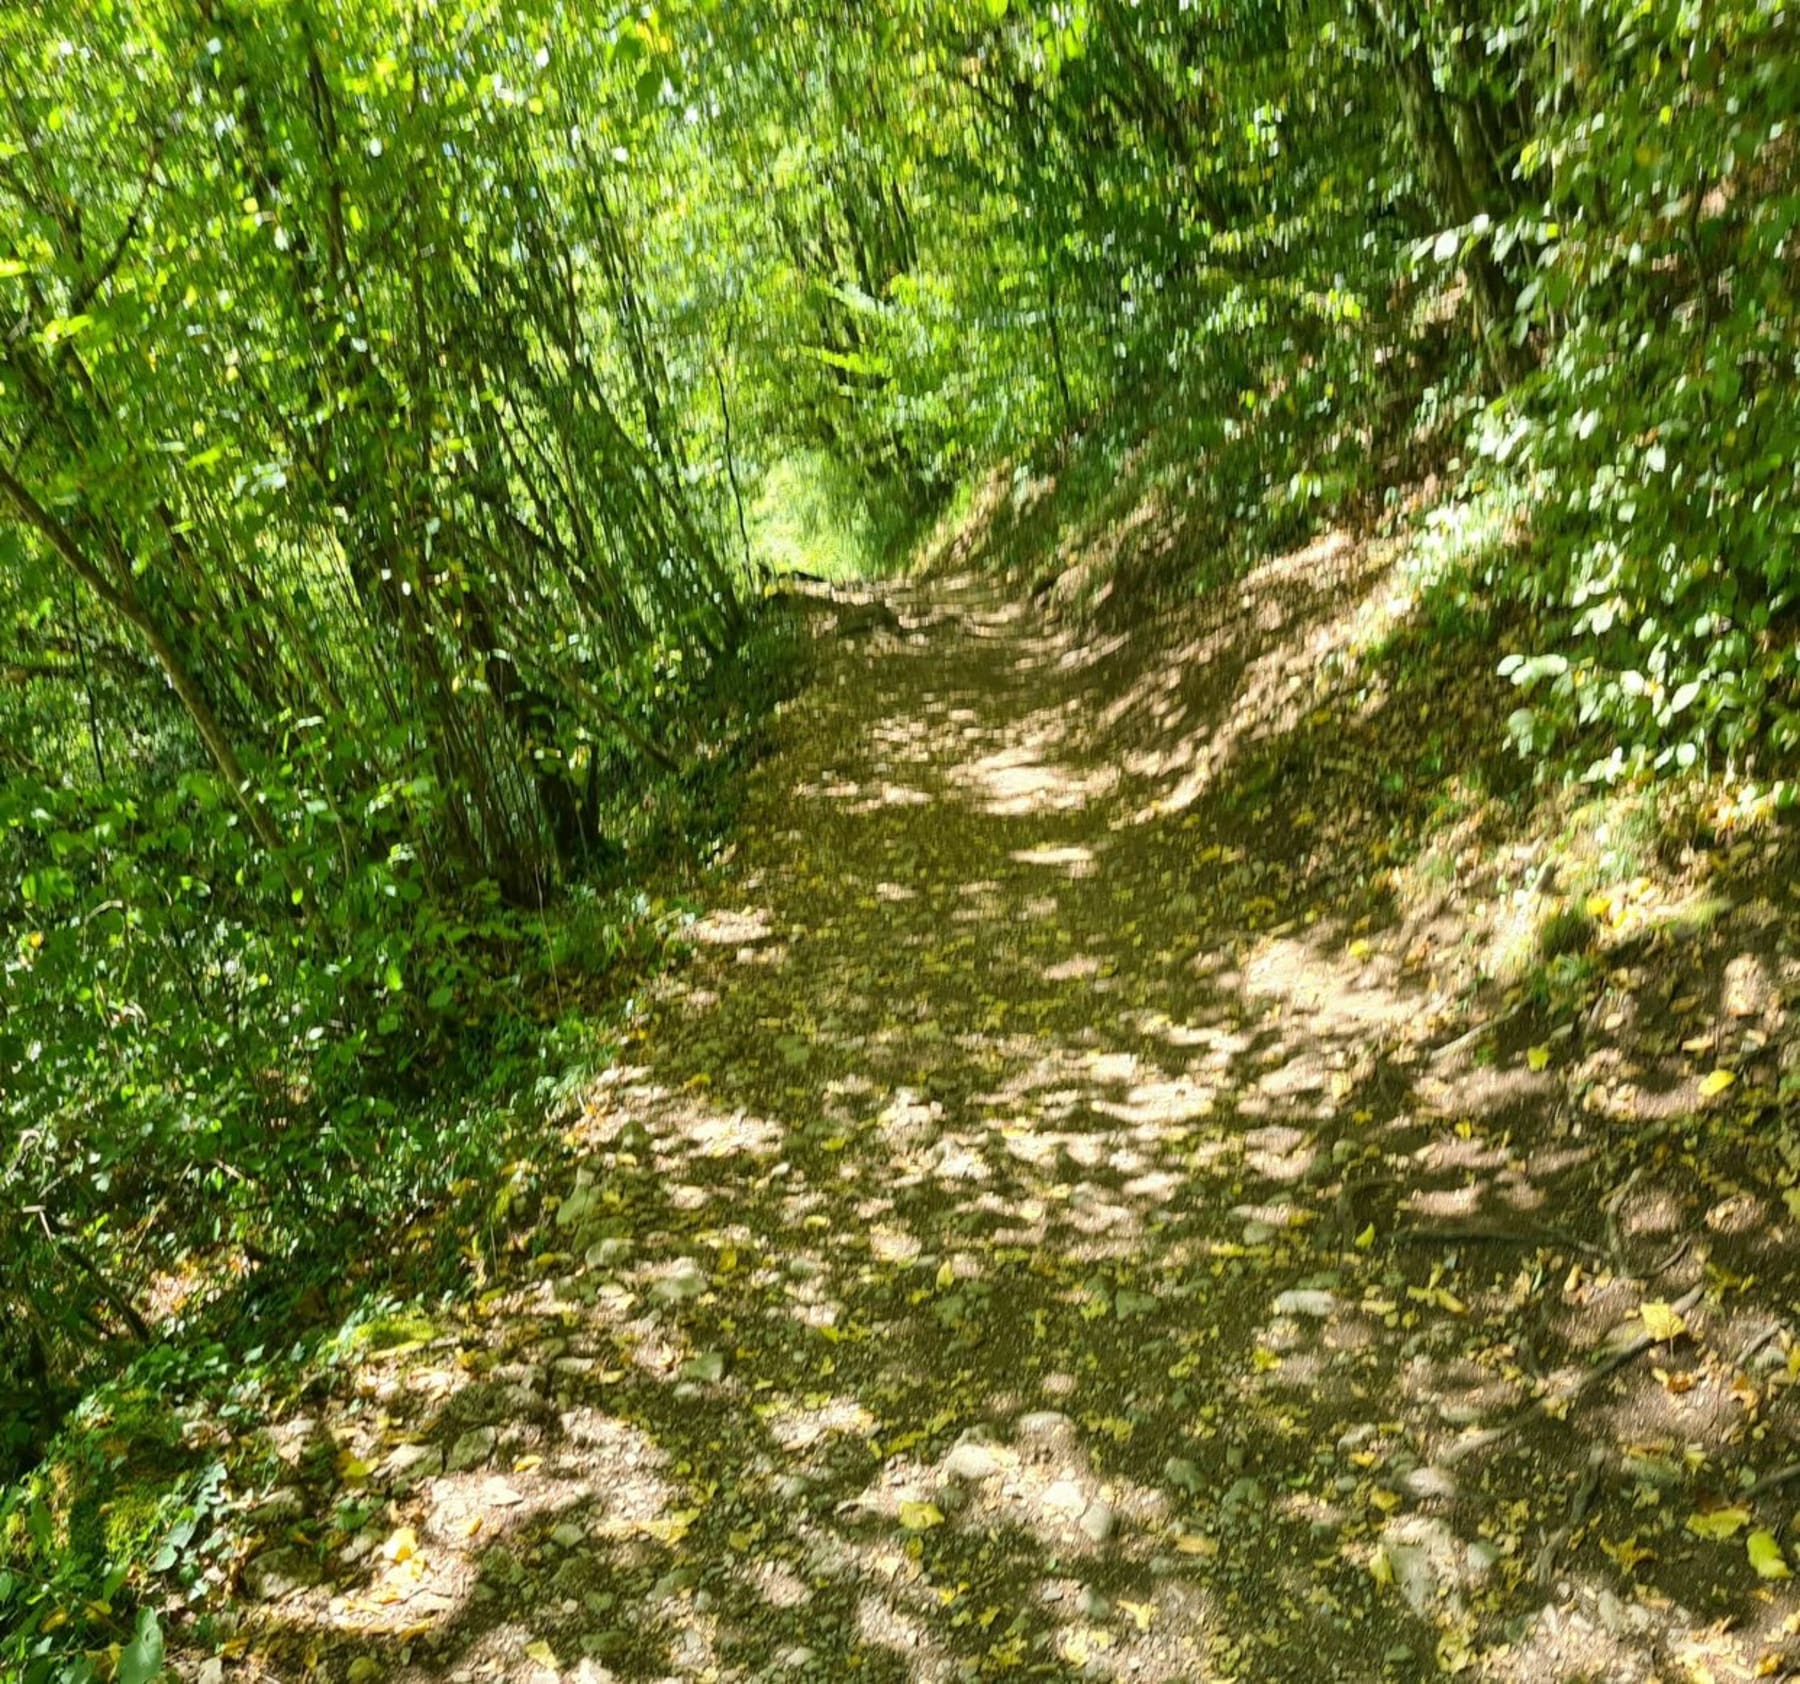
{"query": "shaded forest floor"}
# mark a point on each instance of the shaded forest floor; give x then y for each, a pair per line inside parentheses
(1164, 1163)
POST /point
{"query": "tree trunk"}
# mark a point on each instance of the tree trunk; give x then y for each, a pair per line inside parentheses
(123, 602)
(1461, 191)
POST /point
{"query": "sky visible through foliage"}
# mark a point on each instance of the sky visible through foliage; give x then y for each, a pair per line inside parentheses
(444, 446)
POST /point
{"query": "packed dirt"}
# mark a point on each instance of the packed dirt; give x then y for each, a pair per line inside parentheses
(1087, 1208)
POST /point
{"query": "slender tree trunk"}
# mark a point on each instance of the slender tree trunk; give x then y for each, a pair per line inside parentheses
(1461, 191)
(124, 603)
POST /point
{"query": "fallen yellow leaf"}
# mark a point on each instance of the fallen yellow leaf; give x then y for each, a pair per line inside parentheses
(1628, 1553)
(1718, 1524)
(1661, 1320)
(1716, 1083)
(920, 1517)
(1766, 1557)
(672, 1529)
(1538, 1057)
(402, 1546)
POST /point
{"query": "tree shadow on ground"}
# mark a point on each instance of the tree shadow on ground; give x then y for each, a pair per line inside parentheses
(1061, 1223)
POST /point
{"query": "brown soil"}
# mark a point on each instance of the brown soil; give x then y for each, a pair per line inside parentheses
(1084, 1211)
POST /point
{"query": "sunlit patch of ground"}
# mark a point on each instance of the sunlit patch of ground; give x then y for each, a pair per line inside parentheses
(1089, 1208)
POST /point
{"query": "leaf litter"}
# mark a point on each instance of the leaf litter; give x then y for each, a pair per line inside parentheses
(1074, 1229)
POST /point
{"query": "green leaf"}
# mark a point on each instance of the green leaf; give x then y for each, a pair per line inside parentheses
(141, 1660)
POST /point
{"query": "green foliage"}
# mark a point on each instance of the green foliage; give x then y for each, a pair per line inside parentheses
(812, 515)
(401, 408)
(367, 566)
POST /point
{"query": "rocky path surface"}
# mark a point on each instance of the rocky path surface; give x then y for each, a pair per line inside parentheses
(1050, 1228)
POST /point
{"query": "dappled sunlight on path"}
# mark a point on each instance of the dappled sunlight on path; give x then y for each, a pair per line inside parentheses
(1034, 1233)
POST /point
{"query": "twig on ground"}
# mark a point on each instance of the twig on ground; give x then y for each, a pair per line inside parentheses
(1543, 1569)
(1475, 1034)
(1615, 1241)
(1771, 1481)
(1631, 1349)
(1496, 1233)
(1767, 1337)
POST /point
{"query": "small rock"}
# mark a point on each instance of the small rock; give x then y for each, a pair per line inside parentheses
(1094, 1606)
(362, 1545)
(580, 1204)
(1746, 990)
(1483, 1557)
(1429, 1482)
(276, 1573)
(951, 1497)
(1065, 1497)
(1305, 1301)
(284, 1503)
(1098, 1520)
(212, 1671)
(1046, 1426)
(472, 1449)
(411, 1463)
(1414, 1574)
(633, 1138)
(567, 1535)
(971, 1461)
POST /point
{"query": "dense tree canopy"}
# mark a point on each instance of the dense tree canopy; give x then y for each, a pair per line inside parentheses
(388, 387)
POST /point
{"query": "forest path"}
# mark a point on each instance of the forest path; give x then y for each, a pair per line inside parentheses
(1007, 1246)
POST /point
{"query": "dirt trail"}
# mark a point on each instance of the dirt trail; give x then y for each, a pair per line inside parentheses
(1033, 1235)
